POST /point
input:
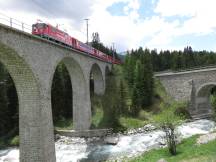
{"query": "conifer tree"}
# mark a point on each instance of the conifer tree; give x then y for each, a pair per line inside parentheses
(122, 102)
(110, 103)
(136, 93)
(147, 80)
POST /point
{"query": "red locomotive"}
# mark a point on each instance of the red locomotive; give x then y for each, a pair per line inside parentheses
(52, 33)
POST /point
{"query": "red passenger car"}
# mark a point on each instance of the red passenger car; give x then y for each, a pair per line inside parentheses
(54, 34)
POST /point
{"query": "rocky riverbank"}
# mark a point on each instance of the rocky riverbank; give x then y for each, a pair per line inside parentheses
(128, 144)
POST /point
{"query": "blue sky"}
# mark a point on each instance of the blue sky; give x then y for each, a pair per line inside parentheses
(145, 10)
(161, 24)
(149, 9)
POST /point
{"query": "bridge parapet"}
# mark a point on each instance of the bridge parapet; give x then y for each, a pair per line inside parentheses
(192, 86)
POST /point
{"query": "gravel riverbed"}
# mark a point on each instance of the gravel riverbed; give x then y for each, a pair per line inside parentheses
(130, 144)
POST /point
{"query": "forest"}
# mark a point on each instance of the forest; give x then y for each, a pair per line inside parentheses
(130, 87)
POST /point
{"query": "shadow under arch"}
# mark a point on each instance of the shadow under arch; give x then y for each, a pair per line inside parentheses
(80, 93)
(205, 89)
(107, 71)
(30, 136)
(203, 104)
(98, 80)
(61, 97)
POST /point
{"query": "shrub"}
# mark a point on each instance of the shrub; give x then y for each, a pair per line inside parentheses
(14, 141)
(213, 103)
(181, 110)
(143, 115)
(168, 120)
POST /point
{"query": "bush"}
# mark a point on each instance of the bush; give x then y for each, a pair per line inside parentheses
(168, 120)
(129, 122)
(213, 103)
(15, 141)
(63, 123)
(182, 110)
(143, 115)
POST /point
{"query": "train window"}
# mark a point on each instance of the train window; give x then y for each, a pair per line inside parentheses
(34, 27)
(41, 25)
(53, 29)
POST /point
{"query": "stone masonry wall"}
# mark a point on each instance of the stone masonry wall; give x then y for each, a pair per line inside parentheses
(186, 86)
(32, 61)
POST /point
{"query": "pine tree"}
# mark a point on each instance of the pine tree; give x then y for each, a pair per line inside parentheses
(136, 93)
(147, 80)
(122, 102)
(131, 70)
(110, 103)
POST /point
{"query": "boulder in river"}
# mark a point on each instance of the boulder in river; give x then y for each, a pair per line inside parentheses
(111, 140)
(149, 127)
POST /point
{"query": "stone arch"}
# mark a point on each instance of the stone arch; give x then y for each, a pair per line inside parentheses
(61, 94)
(204, 90)
(30, 137)
(99, 81)
(81, 100)
(203, 105)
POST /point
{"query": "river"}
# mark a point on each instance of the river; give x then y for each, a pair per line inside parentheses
(129, 145)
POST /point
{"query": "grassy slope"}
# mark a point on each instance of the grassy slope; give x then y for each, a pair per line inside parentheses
(188, 151)
(146, 117)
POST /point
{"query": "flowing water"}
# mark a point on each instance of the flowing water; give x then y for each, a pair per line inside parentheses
(95, 149)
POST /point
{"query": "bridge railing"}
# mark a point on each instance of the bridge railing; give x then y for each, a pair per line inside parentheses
(14, 23)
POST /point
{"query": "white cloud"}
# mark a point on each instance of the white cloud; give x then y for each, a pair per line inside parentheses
(129, 30)
(176, 7)
(197, 15)
(68, 9)
(200, 14)
(134, 5)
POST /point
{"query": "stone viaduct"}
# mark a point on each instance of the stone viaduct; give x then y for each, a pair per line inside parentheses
(31, 62)
(193, 86)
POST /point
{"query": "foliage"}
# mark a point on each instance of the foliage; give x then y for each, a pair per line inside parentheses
(64, 124)
(213, 102)
(129, 69)
(188, 151)
(168, 121)
(97, 110)
(160, 92)
(96, 118)
(123, 110)
(138, 73)
(129, 122)
(8, 105)
(110, 103)
(100, 46)
(61, 94)
(15, 141)
(144, 115)
(133, 89)
(178, 60)
(182, 111)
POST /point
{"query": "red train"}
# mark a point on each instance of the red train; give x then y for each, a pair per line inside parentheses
(52, 33)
